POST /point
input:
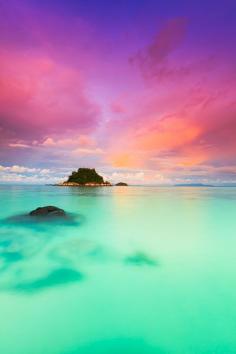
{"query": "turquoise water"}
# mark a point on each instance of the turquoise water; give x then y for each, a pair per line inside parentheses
(137, 270)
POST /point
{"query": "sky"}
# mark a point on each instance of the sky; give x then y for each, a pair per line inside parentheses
(142, 90)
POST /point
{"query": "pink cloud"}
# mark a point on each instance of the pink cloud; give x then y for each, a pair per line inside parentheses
(117, 107)
(38, 96)
(184, 125)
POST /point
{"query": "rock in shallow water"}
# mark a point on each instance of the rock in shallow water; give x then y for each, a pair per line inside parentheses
(48, 211)
(61, 276)
(140, 259)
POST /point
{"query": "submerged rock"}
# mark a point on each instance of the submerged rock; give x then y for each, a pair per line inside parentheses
(57, 277)
(43, 218)
(48, 211)
(140, 259)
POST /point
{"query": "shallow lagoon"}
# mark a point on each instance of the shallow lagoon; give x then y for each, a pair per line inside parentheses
(141, 270)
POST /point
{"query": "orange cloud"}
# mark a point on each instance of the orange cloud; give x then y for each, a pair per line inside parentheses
(123, 159)
(169, 133)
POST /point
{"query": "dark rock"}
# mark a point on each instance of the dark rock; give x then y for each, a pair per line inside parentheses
(48, 211)
(57, 277)
(121, 184)
(140, 258)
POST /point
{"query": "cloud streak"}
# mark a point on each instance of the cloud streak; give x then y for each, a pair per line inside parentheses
(153, 60)
(39, 96)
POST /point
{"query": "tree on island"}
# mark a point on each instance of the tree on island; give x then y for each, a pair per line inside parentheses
(85, 175)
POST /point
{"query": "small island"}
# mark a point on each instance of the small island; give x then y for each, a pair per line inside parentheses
(87, 177)
(121, 184)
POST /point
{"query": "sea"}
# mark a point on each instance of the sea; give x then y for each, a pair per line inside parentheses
(132, 270)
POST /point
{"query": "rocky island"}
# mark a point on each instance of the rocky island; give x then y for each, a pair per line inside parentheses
(87, 177)
(121, 184)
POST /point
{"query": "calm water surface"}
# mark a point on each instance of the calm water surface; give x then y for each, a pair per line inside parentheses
(137, 270)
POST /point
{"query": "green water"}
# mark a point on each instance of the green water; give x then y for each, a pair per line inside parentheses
(137, 270)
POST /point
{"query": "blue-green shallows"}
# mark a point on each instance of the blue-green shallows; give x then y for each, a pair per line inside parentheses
(136, 270)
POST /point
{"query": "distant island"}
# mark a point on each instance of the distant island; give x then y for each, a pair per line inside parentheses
(121, 184)
(193, 185)
(87, 177)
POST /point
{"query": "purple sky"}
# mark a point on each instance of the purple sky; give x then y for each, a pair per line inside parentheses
(142, 90)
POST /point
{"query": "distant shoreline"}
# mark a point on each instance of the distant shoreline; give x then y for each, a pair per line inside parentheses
(193, 185)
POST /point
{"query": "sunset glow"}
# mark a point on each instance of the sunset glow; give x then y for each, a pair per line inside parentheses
(130, 87)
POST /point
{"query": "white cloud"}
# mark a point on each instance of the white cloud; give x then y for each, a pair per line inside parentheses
(23, 174)
(17, 169)
(83, 151)
(20, 178)
(68, 143)
(19, 145)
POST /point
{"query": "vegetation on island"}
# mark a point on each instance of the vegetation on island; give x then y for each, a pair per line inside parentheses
(87, 177)
(121, 184)
(84, 176)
